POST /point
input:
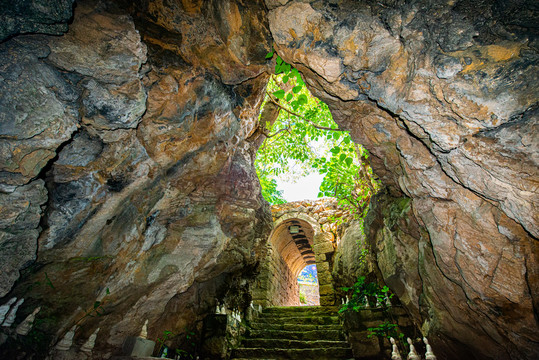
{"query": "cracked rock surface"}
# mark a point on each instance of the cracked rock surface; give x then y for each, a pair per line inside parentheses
(449, 116)
(126, 151)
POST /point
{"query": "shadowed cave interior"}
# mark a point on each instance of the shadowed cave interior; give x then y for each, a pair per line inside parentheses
(131, 216)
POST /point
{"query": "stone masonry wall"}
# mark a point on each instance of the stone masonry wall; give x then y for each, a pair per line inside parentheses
(276, 285)
(320, 214)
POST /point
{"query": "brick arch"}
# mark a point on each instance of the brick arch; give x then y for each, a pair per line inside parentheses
(295, 249)
(299, 216)
(288, 254)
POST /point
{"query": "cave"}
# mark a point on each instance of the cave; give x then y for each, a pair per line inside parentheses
(129, 199)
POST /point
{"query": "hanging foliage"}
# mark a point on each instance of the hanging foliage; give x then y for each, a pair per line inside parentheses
(303, 139)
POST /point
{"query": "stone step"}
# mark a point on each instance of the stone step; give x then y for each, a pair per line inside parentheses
(292, 344)
(287, 313)
(298, 315)
(313, 353)
(293, 327)
(307, 320)
(301, 311)
(333, 335)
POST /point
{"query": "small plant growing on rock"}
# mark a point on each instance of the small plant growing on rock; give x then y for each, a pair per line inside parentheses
(363, 292)
(387, 330)
(179, 354)
(96, 309)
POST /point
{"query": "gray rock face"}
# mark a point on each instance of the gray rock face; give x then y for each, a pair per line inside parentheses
(81, 151)
(37, 110)
(440, 101)
(110, 107)
(34, 16)
(143, 142)
(19, 229)
(37, 115)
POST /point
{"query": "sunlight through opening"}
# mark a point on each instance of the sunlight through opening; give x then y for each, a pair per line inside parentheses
(309, 294)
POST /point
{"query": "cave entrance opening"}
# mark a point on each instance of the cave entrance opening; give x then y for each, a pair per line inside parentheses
(298, 138)
(309, 292)
(303, 150)
(290, 251)
(300, 143)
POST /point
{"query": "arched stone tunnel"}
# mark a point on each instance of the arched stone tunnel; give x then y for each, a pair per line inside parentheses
(128, 131)
(297, 240)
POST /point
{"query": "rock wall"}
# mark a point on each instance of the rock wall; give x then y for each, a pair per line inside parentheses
(444, 97)
(126, 169)
(126, 150)
(352, 257)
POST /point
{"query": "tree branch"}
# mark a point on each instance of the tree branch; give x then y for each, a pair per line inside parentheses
(272, 100)
(277, 133)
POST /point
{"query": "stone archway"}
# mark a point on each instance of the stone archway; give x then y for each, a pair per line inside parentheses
(297, 240)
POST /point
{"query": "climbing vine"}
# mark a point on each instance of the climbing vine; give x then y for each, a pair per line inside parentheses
(303, 138)
(364, 295)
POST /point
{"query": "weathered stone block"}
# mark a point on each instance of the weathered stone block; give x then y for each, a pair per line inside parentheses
(138, 347)
(324, 277)
(320, 257)
(327, 300)
(362, 346)
(323, 238)
(326, 290)
(323, 266)
(323, 248)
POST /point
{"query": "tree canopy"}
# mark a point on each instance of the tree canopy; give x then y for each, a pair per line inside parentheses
(303, 138)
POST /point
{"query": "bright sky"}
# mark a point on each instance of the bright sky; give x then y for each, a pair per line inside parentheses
(305, 188)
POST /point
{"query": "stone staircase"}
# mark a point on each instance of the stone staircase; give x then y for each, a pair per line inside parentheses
(297, 332)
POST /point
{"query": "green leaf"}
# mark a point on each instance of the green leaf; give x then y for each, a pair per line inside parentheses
(96, 304)
(279, 154)
(286, 67)
(285, 79)
(269, 55)
(279, 61)
(279, 94)
(107, 291)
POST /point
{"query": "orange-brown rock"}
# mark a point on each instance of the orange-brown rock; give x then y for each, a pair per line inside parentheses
(445, 124)
(126, 150)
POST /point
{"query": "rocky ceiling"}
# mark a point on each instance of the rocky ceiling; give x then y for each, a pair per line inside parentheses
(127, 144)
